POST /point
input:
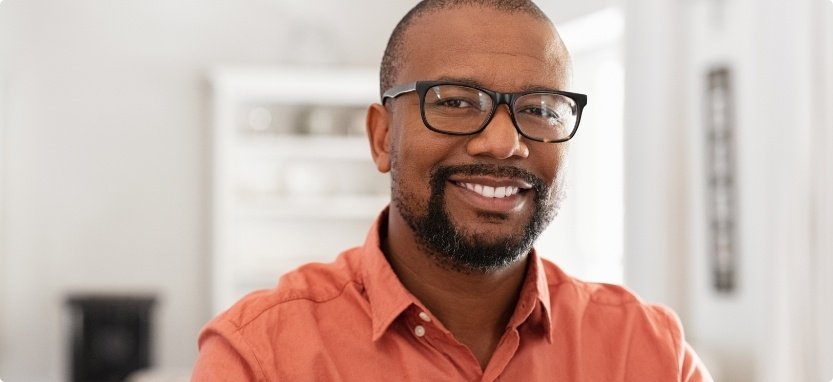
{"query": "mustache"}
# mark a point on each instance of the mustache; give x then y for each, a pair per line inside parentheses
(441, 174)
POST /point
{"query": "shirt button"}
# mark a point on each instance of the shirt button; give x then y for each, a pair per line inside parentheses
(419, 331)
(424, 317)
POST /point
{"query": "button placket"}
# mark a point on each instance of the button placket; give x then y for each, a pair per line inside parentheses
(419, 331)
(424, 330)
(419, 328)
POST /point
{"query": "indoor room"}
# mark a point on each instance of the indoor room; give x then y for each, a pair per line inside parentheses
(160, 160)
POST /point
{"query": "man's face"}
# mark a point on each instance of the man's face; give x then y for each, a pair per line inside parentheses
(442, 184)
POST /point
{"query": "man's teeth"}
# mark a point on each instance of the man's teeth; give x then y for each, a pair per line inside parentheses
(491, 192)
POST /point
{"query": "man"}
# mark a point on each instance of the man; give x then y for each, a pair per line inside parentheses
(473, 128)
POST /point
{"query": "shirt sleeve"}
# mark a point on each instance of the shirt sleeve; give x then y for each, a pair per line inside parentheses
(691, 368)
(225, 356)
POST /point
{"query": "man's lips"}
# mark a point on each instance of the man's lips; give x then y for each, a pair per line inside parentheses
(486, 188)
(491, 187)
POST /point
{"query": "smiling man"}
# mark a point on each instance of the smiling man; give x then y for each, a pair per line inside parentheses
(473, 127)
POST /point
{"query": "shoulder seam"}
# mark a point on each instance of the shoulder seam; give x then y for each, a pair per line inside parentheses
(282, 301)
(669, 326)
(261, 370)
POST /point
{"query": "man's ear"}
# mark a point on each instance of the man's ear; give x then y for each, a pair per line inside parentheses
(378, 132)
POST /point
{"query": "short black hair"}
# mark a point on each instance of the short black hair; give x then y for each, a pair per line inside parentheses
(394, 52)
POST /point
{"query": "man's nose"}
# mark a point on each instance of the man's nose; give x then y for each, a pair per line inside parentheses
(500, 139)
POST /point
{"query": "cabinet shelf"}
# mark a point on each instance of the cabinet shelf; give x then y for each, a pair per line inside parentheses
(306, 147)
(290, 165)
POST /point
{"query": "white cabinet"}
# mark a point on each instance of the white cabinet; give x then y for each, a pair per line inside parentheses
(292, 177)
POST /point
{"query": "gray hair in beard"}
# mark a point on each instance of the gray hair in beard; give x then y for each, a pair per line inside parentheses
(466, 252)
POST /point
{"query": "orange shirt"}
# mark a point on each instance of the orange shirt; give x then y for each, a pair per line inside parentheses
(352, 320)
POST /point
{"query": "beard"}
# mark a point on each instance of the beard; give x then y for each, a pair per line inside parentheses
(455, 248)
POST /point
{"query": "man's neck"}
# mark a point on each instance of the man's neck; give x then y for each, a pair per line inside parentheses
(475, 307)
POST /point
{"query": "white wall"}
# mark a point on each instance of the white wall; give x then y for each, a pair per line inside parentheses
(3, 151)
(823, 194)
(769, 328)
(107, 151)
(654, 151)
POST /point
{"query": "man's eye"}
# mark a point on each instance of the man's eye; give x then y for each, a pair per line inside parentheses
(541, 112)
(455, 103)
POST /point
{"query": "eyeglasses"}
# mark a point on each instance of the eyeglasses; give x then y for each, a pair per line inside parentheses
(461, 109)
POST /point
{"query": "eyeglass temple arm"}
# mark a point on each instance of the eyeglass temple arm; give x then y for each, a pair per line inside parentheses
(398, 90)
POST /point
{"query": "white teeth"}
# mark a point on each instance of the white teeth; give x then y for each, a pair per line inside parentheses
(488, 191)
(491, 192)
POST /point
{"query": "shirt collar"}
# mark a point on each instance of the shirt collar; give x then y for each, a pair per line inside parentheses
(533, 305)
(388, 297)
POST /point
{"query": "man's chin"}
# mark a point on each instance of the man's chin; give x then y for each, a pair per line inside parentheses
(491, 230)
(478, 256)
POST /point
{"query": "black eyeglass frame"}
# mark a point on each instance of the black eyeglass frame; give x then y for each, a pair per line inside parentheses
(498, 98)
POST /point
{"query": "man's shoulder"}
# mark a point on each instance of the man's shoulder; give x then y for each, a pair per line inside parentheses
(604, 297)
(299, 291)
(560, 282)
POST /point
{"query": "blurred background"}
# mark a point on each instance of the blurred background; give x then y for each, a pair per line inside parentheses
(160, 159)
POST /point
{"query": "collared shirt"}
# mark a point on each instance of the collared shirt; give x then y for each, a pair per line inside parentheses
(353, 320)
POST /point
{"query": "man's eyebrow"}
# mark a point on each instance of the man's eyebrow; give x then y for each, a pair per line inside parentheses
(462, 80)
(473, 82)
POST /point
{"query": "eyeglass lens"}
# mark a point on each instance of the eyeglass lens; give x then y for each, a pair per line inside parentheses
(461, 109)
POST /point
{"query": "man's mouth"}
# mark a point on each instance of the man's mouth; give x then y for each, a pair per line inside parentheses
(486, 189)
(490, 191)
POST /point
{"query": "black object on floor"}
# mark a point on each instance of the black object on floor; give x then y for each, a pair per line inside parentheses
(110, 336)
